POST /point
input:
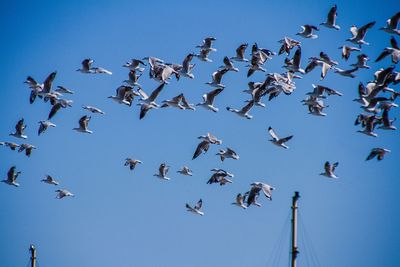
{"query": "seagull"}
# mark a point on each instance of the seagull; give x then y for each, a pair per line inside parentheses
(329, 169)
(148, 102)
(174, 102)
(287, 45)
(228, 64)
(391, 24)
(325, 58)
(19, 130)
(203, 56)
(63, 90)
(132, 163)
(124, 95)
(346, 50)
(63, 193)
(217, 77)
(255, 64)
(359, 34)
(378, 152)
(83, 125)
(196, 209)
(319, 91)
(203, 146)
(50, 180)
(134, 65)
(387, 122)
(244, 111)
(316, 108)
(278, 141)
(331, 19)
(221, 171)
(240, 199)
(308, 31)
(207, 43)
(318, 62)
(210, 138)
(87, 68)
(133, 79)
(369, 127)
(219, 177)
(228, 153)
(162, 172)
(12, 177)
(57, 106)
(346, 73)
(240, 53)
(393, 51)
(186, 104)
(361, 62)
(28, 149)
(208, 100)
(186, 68)
(256, 187)
(93, 109)
(185, 171)
(11, 145)
(295, 66)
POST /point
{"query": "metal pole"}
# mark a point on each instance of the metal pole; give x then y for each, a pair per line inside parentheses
(32, 250)
(295, 250)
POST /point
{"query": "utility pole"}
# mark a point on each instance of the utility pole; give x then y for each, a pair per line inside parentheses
(32, 250)
(295, 249)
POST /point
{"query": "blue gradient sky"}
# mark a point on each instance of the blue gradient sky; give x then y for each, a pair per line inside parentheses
(123, 218)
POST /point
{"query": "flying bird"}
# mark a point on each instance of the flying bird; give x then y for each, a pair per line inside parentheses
(208, 100)
(240, 200)
(227, 154)
(49, 180)
(28, 149)
(185, 171)
(61, 193)
(240, 53)
(331, 19)
(87, 68)
(162, 172)
(308, 31)
(44, 125)
(19, 130)
(244, 112)
(196, 209)
(278, 141)
(391, 24)
(12, 175)
(378, 152)
(93, 109)
(329, 169)
(359, 34)
(83, 125)
(132, 163)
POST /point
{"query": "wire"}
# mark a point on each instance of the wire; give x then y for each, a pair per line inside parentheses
(314, 256)
(276, 252)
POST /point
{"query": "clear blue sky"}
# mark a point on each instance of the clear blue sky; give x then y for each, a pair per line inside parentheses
(124, 218)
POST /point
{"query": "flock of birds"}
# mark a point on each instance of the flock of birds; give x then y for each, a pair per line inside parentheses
(376, 98)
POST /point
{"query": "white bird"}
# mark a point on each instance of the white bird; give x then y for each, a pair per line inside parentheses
(220, 177)
(228, 64)
(331, 19)
(133, 79)
(240, 53)
(295, 62)
(44, 125)
(346, 50)
(207, 43)
(93, 109)
(240, 200)
(228, 153)
(216, 78)
(393, 51)
(359, 34)
(308, 31)
(387, 122)
(319, 91)
(11, 145)
(186, 68)
(278, 141)
(63, 90)
(316, 108)
(211, 138)
(174, 102)
(369, 127)
(63, 193)
(345, 73)
(49, 180)
(378, 152)
(12, 177)
(361, 62)
(329, 169)
(225, 173)
(162, 172)
(203, 56)
(255, 192)
(203, 146)
(124, 95)
(87, 68)
(135, 65)
(185, 171)
(196, 209)
(28, 149)
(391, 24)
(186, 104)
(19, 130)
(208, 100)
(287, 45)
(244, 112)
(83, 125)
(132, 163)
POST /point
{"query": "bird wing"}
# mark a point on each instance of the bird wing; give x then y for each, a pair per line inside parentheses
(363, 30)
(354, 31)
(86, 63)
(394, 20)
(199, 204)
(286, 139)
(48, 82)
(19, 127)
(297, 57)
(211, 95)
(247, 107)
(332, 15)
(372, 154)
(54, 110)
(241, 50)
(203, 146)
(155, 93)
(143, 110)
(84, 121)
(384, 54)
(273, 134)
(327, 167)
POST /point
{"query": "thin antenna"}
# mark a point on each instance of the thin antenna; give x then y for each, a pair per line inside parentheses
(295, 249)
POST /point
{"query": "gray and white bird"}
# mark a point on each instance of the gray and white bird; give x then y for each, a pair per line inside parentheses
(93, 109)
(295, 62)
(11, 145)
(174, 102)
(244, 112)
(135, 65)
(345, 73)
(228, 64)
(49, 180)
(28, 149)
(255, 190)
(44, 125)
(361, 62)
(186, 104)
(329, 169)
(278, 141)
(377, 152)
(124, 95)
(185, 171)
(240, 200)
(391, 24)
(12, 175)
(87, 68)
(308, 31)
(19, 130)
(162, 172)
(208, 100)
(133, 79)
(217, 77)
(393, 51)
(210, 138)
(203, 56)
(132, 163)
(359, 34)
(203, 146)
(63, 90)
(369, 127)
(331, 19)
(83, 125)
(346, 51)
(240, 51)
(196, 208)
(207, 43)
(61, 193)
(227, 154)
